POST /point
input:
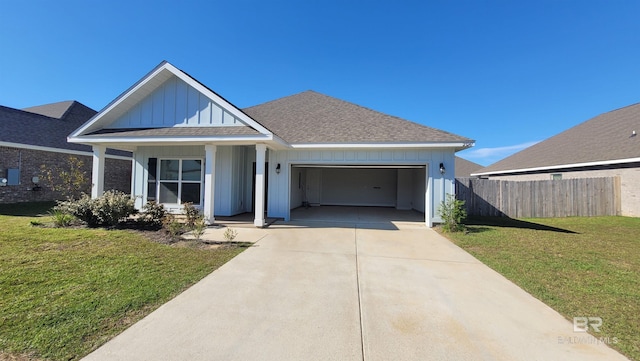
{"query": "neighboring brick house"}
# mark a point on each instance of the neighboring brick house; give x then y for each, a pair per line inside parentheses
(37, 136)
(605, 146)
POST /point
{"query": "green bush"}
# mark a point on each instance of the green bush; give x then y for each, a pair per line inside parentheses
(60, 218)
(105, 211)
(452, 213)
(152, 214)
(172, 226)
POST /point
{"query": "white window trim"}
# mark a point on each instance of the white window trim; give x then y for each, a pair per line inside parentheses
(180, 181)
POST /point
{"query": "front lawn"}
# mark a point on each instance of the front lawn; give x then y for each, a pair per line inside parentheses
(581, 267)
(66, 291)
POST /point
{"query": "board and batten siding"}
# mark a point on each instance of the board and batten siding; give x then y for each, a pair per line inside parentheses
(175, 103)
(230, 174)
(437, 185)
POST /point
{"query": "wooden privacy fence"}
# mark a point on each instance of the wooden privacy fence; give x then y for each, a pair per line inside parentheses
(547, 198)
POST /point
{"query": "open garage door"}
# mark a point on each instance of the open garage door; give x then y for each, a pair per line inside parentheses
(400, 187)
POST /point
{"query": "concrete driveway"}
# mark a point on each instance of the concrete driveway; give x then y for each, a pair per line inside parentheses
(333, 291)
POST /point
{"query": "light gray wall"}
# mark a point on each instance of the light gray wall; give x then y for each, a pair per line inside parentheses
(313, 186)
(418, 189)
(298, 181)
(359, 187)
(230, 177)
(404, 193)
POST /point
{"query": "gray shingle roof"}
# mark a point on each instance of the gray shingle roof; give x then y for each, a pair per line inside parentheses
(176, 132)
(25, 127)
(313, 118)
(606, 137)
(464, 167)
(32, 128)
(53, 110)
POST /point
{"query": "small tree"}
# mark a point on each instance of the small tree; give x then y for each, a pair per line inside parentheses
(199, 227)
(452, 213)
(70, 180)
(192, 214)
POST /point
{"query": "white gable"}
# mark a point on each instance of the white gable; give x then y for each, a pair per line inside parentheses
(167, 97)
(175, 104)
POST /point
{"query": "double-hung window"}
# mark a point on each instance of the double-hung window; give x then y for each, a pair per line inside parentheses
(180, 181)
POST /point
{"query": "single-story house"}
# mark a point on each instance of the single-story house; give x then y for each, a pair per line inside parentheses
(604, 146)
(190, 144)
(36, 137)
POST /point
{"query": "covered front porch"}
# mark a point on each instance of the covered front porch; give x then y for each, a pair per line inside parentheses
(218, 179)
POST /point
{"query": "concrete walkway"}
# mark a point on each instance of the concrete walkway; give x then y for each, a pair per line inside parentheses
(321, 291)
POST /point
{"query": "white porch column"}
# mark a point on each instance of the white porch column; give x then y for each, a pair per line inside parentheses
(97, 171)
(261, 151)
(209, 182)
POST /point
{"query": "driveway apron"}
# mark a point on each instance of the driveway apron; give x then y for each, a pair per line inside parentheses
(334, 291)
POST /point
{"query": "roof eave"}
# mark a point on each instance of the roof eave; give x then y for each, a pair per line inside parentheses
(556, 167)
(456, 145)
(132, 142)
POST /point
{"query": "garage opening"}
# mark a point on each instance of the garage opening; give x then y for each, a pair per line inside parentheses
(391, 188)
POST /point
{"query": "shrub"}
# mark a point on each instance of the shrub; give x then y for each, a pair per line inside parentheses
(105, 211)
(80, 208)
(172, 226)
(199, 227)
(152, 214)
(60, 218)
(113, 207)
(230, 234)
(452, 213)
(192, 214)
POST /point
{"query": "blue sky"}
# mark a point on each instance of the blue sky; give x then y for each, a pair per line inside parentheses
(505, 73)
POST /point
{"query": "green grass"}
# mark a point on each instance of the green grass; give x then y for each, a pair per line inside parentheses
(64, 292)
(578, 266)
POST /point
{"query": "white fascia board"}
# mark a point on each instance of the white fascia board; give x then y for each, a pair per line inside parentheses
(379, 145)
(57, 150)
(167, 139)
(561, 166)
(279, 142)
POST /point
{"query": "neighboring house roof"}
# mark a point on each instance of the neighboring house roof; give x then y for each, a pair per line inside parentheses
(604, 140)
(31, 128)
(464, 167)
(306, 119)
(56, 110)
(46, 125)
(313, 118)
